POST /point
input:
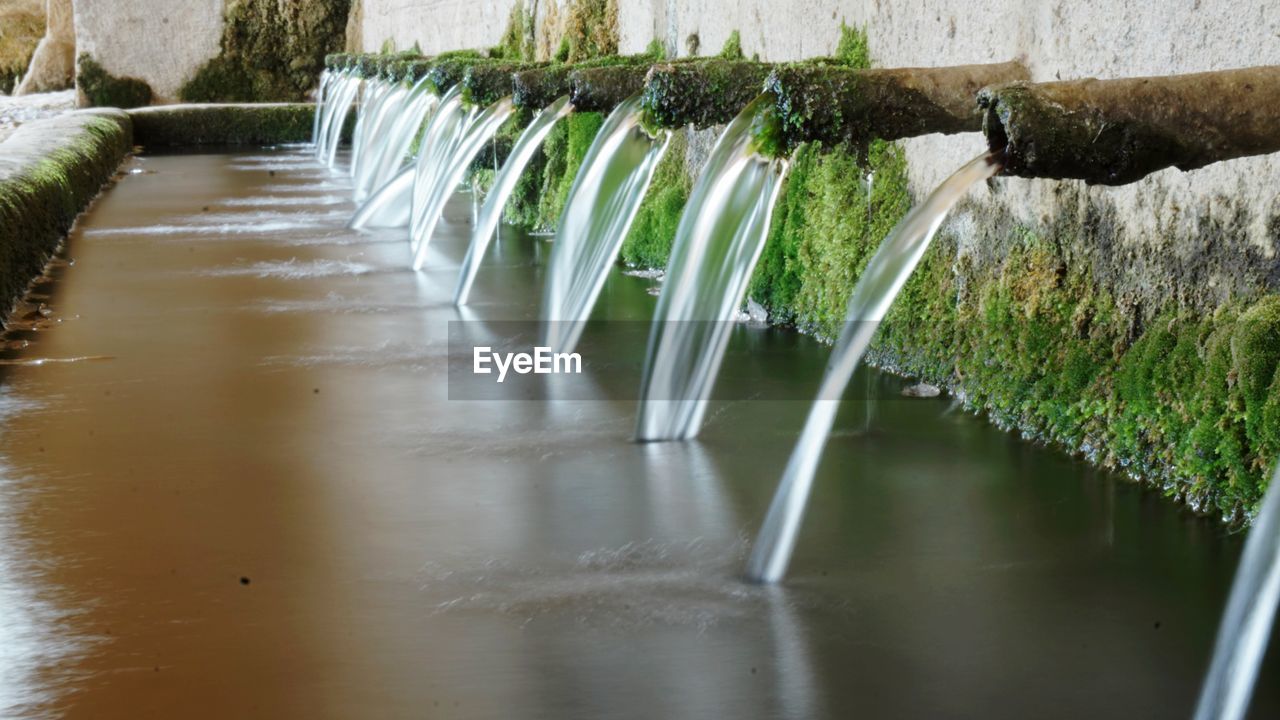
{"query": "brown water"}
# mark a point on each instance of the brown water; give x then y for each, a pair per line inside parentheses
(260, 503)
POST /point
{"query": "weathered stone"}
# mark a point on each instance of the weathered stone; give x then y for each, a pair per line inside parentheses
(162, 42)
(53, 66)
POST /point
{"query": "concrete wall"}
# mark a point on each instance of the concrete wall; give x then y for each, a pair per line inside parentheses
(436, 25)
(162, 42)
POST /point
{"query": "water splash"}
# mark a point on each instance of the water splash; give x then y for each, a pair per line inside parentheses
(389, 206)
(601, 205)
(505, 182)
(720, 237)
(1246, 624)
(876, 290)
(436, 181)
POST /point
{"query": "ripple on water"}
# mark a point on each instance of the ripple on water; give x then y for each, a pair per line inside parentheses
(284, 200)
(389, 353)
(693, 584)
(294, 269)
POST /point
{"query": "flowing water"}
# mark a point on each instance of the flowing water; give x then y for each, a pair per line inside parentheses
(389, 105)
(717, 244)
(389, 206)
(261, 502)
(397, 202)
(504, 183)
(339, 96)
(373, 96)
(391, 149)
(434, 184)
(322, 90)
(1248, 620)
(879, 284)
(599, 210)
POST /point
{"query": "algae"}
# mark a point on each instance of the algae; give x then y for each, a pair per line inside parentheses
(51, 170)
(101, 89)
(648, 244)
(271, 51)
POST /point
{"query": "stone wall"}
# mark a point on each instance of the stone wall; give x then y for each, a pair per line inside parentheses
(162, 42)
(434, 25)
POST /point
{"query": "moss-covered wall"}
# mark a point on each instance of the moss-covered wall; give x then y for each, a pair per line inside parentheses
(99, 88)
(249, 124)
(271, 51)
(49, 171)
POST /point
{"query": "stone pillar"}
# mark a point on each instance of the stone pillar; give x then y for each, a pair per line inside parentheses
(54, 63)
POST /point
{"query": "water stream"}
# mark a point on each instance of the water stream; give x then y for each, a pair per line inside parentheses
(600, 208)
(338, 99)
(721, 234)
(1247, 623)
(504, 183)
(389, 105)
(322, 91)
(875, 291)
(391, 149)
(435, 183)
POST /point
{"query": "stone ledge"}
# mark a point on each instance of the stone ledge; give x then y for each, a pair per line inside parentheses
(50, 170)
(222, 124)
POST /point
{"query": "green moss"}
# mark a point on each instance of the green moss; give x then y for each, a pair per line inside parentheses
(701, 92)
(270, 51)
(42, 189)
(732, 49)
(852, 49)
(827, 223)
(254, 124)
(102, 89)
(648, 244)
(565, 147)
(591, 30)
(518, 43)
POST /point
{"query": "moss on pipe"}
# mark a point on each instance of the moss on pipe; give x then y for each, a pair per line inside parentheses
(444, 74)
(601, 89)
(836, 105)
(1113, 132)
(701, 92)
(540, 87)
(484, 84)
(338, 61)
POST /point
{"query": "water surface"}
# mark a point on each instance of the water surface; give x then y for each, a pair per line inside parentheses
(257, 501)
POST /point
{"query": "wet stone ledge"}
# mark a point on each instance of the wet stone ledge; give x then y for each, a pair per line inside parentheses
(223, 124)
(50, 170)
